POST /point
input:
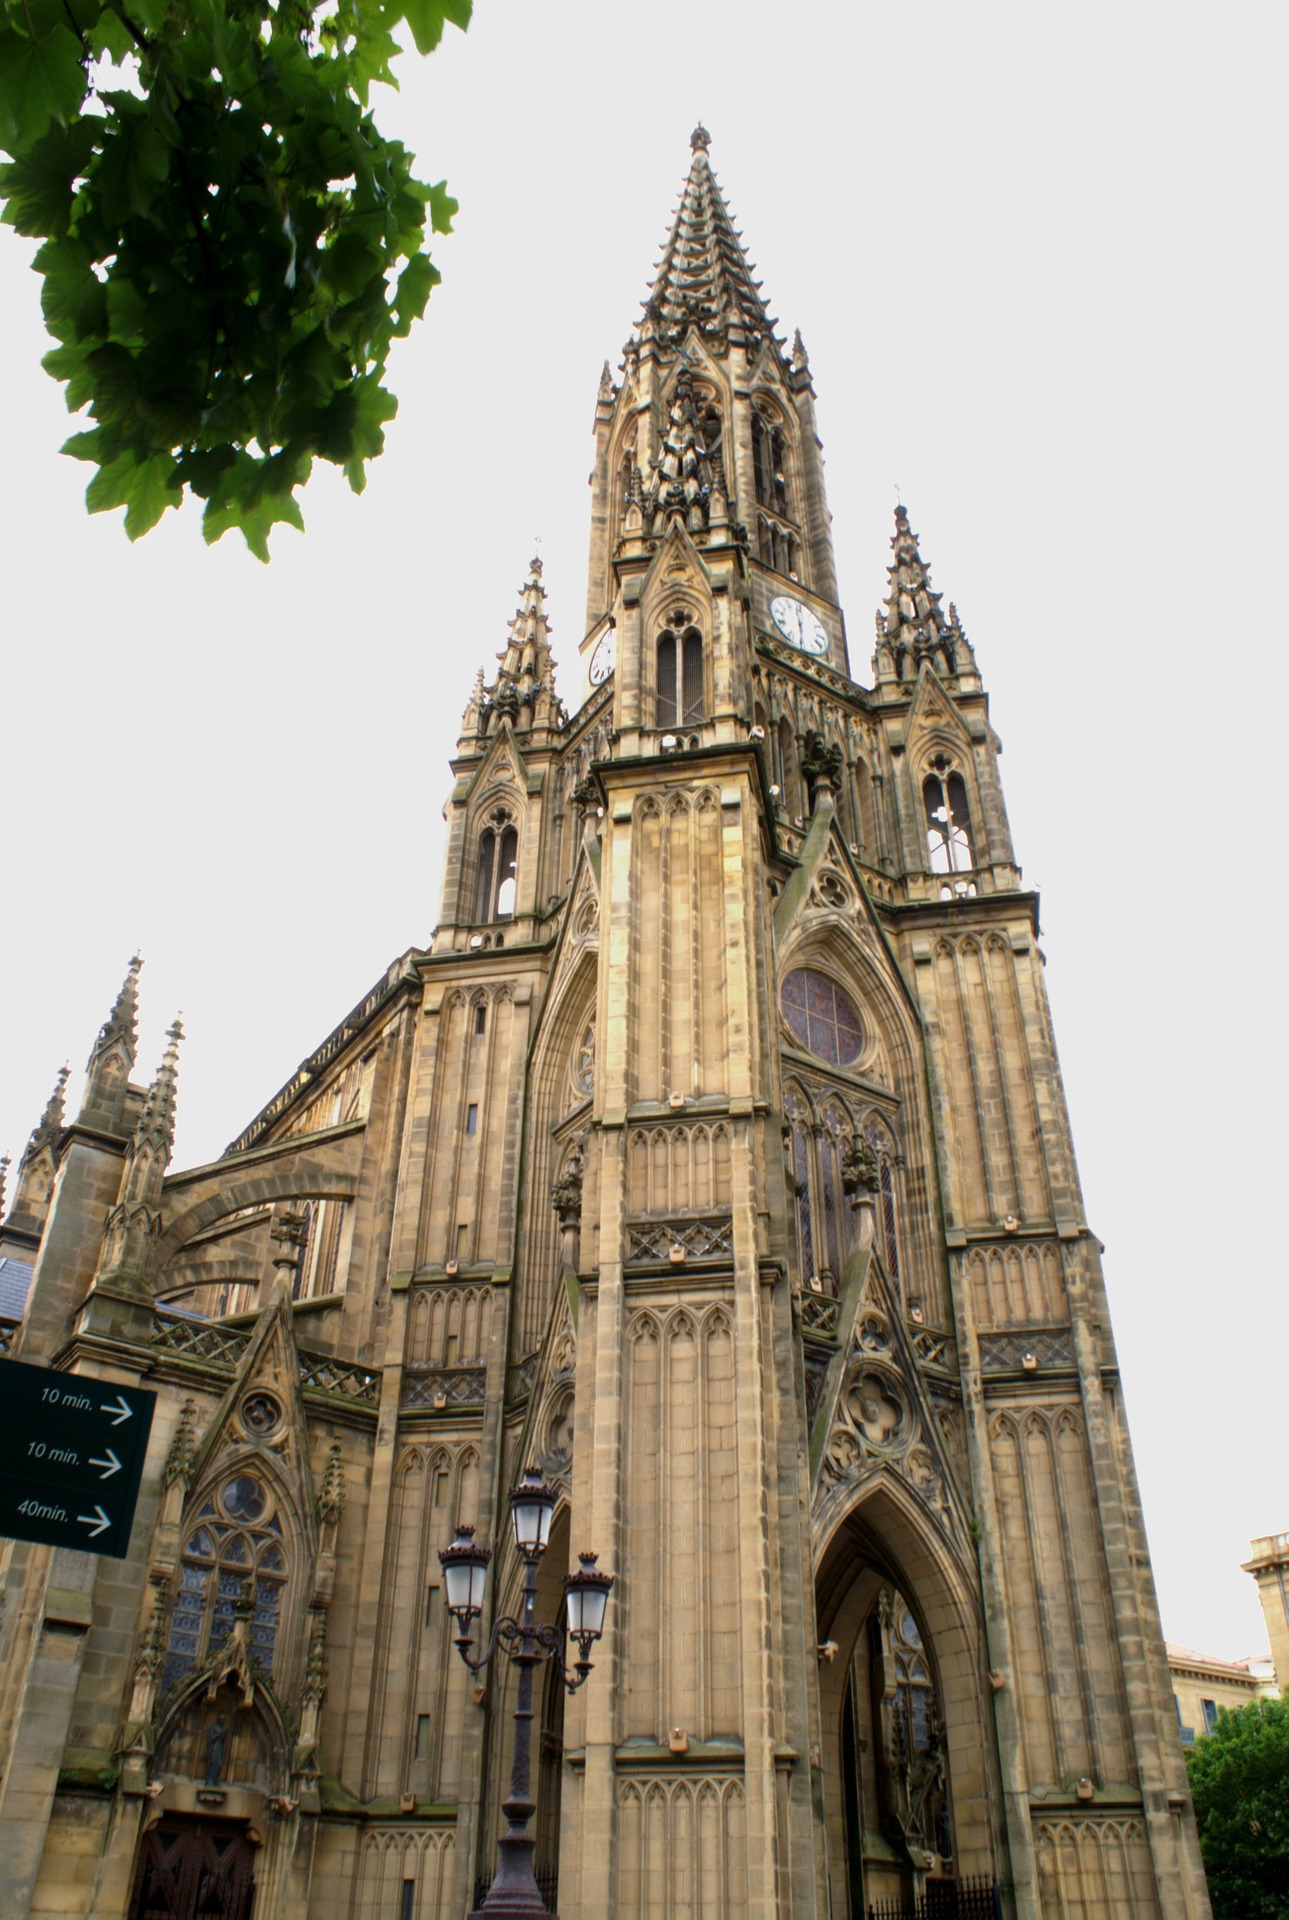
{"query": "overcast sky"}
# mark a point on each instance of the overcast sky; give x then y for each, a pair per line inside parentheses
(1037, 257)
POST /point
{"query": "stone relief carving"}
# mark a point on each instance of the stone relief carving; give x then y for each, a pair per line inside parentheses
(879, 1419)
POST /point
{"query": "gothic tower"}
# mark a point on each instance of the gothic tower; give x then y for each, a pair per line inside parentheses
(714, 1159)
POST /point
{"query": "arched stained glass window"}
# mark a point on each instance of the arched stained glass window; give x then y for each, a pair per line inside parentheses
(235, 1549)
(822, 1017)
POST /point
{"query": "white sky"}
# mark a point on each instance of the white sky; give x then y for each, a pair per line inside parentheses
(1036, 255)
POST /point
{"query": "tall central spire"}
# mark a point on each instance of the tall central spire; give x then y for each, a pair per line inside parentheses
(704, 277)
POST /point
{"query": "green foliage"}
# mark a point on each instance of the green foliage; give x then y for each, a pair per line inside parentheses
(230, 246)
(1239, 1778)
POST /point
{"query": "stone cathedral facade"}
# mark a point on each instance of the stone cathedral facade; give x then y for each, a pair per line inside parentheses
(713, 1157)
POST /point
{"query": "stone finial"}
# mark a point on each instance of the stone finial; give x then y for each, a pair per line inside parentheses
(331, 1499)
(800, 358)
(183, 1448)
(5, 1164)
(316, 1674)
(606, 388)
(700, 139)
(860, 1169)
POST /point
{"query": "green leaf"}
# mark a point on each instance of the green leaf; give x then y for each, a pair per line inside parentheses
(38, 185)
(254, 520)
(73, 297)
(42, 82)
(443, 208)
(111, 37)
(155, 488)
(415, 282)
(92, 445)
(70, 363)
(113, 485)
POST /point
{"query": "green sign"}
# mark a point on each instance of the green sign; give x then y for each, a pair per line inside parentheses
(73, 1450)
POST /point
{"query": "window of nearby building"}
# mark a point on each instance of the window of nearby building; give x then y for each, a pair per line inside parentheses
(1209, 1709)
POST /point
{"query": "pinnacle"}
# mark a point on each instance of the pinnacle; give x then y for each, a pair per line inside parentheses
(912, 626)
(157, 1120)
(53, 1119)
(121, 1023)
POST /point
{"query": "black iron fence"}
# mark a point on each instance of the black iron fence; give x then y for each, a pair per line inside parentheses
(972, 1899)
(547, 1879)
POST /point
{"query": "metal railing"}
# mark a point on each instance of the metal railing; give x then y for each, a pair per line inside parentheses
(976, 1898)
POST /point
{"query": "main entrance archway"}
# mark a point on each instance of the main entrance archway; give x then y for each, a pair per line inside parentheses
(903, 1693)
(194, 1870)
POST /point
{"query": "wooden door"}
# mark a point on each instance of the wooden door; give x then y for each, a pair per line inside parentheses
(194, 1870)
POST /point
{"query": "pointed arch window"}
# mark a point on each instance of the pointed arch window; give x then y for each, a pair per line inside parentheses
(948, 819)
(769, 463)
(680, 694)
(496, 870)
(819, 1130)
(234, 1552)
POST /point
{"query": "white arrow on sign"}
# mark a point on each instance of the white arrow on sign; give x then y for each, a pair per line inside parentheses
(122, 1409)
(97, 1522)
(112, 1464)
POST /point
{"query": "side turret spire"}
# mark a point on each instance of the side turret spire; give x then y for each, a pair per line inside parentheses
(112, 1059)
(524, 689)
(133, 1222)
(39, 1163)
(912, 627)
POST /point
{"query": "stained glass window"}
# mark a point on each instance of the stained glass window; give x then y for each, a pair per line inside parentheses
(220, 1563)
(822, 1017)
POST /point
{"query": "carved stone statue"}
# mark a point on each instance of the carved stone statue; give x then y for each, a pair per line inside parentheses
(566, 1193)
(216, 1750)
(860, 1169)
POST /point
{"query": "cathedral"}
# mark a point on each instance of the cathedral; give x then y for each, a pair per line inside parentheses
(710, 1166)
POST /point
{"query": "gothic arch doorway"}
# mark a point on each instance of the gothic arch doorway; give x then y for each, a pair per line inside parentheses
(906, 1756)
(194, 1870)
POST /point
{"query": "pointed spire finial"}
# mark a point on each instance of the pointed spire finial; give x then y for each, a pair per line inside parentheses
(5, 1164)
(700, 139)
(121, 1023)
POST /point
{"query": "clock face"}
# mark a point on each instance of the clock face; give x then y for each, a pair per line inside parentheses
(604, 658)
(798, 625)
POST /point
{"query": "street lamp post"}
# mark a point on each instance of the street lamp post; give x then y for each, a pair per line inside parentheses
(514, 1890)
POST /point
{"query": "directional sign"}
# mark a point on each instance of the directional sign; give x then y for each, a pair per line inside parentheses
(73, 1449)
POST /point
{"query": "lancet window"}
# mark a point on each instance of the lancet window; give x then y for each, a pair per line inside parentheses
(496, 871)
(234, 1553)
(948, 819)
(775, 547)
(821, 1130)
(680, 699)
(769, 463)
